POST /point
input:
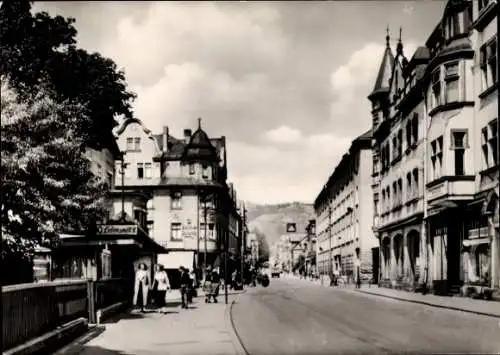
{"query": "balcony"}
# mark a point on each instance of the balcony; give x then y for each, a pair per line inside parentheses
(449, 191)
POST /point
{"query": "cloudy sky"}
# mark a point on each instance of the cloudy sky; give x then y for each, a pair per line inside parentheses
(285, 82)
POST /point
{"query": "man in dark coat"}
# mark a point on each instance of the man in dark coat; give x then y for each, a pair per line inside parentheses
(185, 282)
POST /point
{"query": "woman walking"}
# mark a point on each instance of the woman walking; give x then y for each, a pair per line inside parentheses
(141, 287)
(160, 287)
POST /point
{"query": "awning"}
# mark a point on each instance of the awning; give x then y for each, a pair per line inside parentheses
(176, 259)
(477, 241)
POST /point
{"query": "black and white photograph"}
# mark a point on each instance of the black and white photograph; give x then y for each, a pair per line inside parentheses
(250, 177)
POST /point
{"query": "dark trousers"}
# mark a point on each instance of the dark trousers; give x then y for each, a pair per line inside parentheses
(184, 296)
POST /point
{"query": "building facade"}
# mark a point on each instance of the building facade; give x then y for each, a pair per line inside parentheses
(435, 128)
(344, 213)
(193, 212)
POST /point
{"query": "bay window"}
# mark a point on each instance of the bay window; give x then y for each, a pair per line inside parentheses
(451, 82)
(488, 63)
(436, 87)
(489, 143)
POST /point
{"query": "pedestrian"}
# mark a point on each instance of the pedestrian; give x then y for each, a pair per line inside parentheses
(215, 285)
(141, 286)
(185, 281)
(207, 284)
(194, 283)
(160, 287)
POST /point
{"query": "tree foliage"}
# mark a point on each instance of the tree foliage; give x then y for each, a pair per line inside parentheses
(263, 245)
(38, 50)
(47, 185)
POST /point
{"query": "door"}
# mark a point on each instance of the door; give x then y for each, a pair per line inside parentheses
(375, 264)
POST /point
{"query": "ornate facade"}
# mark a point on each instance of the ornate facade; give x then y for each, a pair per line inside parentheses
(435, 179)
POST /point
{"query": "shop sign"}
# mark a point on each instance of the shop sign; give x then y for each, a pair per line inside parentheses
(117, 229)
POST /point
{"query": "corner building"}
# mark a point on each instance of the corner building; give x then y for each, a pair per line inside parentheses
(344, 211)
(433, 122)
(193, 211)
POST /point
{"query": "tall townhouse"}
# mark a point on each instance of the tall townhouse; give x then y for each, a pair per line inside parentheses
(481, 249)
(192, 211)
(398, 149)
(449, 88)
(463, 171)
(344, 214)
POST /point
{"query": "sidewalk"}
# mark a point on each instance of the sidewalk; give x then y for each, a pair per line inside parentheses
(464, 304)
(202, 329)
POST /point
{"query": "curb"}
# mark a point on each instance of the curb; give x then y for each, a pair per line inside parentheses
(430, 304)
(77, 345)
(230, 326)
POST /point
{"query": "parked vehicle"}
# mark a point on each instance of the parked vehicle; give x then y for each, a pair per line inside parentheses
(276, 272)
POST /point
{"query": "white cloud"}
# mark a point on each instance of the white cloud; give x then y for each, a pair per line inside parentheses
(172, 33)
(283, 134)
(271, 174)
(352, 82)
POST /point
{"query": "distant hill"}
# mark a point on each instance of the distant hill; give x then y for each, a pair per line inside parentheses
(271, 220)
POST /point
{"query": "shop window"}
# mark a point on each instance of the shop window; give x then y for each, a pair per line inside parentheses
(458, 145)
(489, 64)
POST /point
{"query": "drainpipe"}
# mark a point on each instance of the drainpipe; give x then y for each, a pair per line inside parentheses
(424, 196)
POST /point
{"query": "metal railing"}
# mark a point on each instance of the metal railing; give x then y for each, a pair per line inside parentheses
(30, 310)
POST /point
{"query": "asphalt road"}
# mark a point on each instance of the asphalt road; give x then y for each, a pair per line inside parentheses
(290, 317)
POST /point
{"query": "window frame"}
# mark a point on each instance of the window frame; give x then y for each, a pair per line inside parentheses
(436, 87)
(148, 171)
(176, 200)
(137, 144)
(451, 78)
(176, 227)
(129, 145)
(459, 151)
(192, 169)
(204, 171)
(140, 171)
(487, 61)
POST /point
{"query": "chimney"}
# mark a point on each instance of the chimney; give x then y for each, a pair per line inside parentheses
(187, 135)
(165, 139)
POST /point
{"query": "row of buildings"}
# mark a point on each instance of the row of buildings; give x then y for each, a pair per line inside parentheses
(414, 204)
(169, 203)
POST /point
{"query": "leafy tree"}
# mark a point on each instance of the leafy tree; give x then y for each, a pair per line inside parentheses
(38, 50)
(47, 185)
(263, 245)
